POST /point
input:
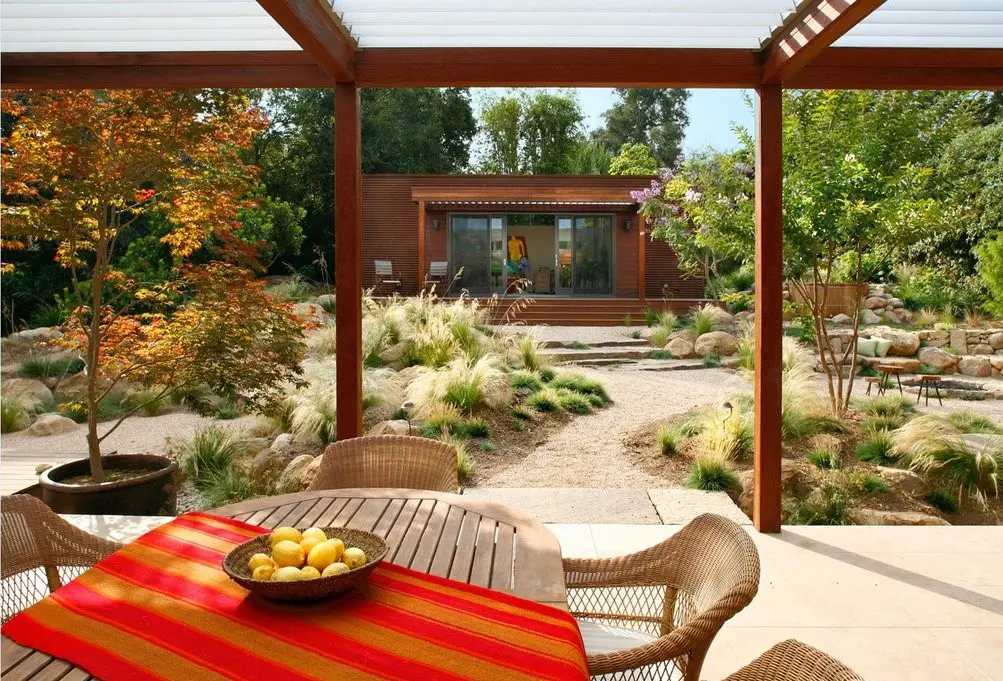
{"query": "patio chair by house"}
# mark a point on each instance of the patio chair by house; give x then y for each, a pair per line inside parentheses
(40, 552)
(437, 273)
(653, 614)
(389, 461)
(794, 661)
(385, 278)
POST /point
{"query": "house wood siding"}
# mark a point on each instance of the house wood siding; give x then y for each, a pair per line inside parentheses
(390, 226)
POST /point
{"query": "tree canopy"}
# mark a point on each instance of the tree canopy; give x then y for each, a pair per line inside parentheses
(654, 117)
(531, 133)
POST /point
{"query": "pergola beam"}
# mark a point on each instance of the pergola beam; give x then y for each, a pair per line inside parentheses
(812, 29)
(315, 28)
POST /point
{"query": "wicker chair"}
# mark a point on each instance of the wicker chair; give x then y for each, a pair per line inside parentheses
(40, 552)
(794, 661)
(653, 614)
(391, 461)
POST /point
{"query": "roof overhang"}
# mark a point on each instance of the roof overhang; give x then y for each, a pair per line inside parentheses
(523, 195)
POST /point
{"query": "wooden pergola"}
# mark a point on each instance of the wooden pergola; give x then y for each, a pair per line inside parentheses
(765, 45)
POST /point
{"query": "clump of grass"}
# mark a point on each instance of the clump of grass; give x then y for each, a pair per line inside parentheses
(710, 474)
(928, 370)
(659, 336)
(15, 414)
(545, 401)
(970, 422)
(825, 505)
(660, 354)
(315, 419)
(578, 345)
(518, 426)
(943, 501)
(478, 428)
(464, 384)
(49, 314)
(295, 289)
(111, 407)
(196, 398)
(703, 319)
(442, 421)
(574, 402)
(926, 317)
(47, 366)
(972, 395)
(636, 334)
(521, 413)
(464, 462)
(580, 384)
(209, 454)
(328, 303)
(868, 483)
(888, 405)
(151, 401)
(526, 380)
(876, 423)
(724, 438)
(796, 424)
(226, 409)
(876, 449)
(712, 360)
(669, 439)
(226, 487)
(530, 356)
(324, 342)
(488, 446)
(826, 459)
(547, 374)
(650, 316)
(628, 320)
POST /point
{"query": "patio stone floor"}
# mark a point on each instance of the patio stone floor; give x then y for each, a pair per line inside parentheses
(893, 603)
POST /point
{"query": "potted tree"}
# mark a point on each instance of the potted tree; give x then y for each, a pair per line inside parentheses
(81, 169)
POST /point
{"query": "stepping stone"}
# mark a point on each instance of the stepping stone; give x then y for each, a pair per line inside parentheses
(678, 506)
(573, 504)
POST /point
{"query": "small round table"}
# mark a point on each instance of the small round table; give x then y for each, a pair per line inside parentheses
(887, 370)
(926, 380)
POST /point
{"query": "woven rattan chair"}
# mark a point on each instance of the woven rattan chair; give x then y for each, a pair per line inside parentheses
(40, 552)
(653, 614)
(391, 461)
(794, 661)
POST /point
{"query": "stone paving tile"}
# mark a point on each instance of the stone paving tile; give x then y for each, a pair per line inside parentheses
(678, 506)
(575, 505)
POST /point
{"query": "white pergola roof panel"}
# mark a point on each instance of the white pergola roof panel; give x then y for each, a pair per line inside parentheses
(138, 26)
(930, 23)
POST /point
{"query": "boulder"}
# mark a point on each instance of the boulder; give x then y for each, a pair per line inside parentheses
(909, 365)
(51, 424)
(959, 341)
(906, 481)
(895, 302)
(935, 338)
(904, 343)
(253, 445)
(282, 443)
(309, 472)
(680, 348)
(719, 342)
(981, 349)
(869, 317)
(267, 467)
(842, 320)
(290, 479)
(996, 340)
(396, 427)
(30, 337)
(722, 318)
(75, 387)
(683, 333)
(789, 477)
(870, 516)
(27, 389)
(975, 366)
(875, 303)
(937, 358)
(393, 354)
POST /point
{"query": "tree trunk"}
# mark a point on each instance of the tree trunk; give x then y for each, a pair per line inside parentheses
(94, 349)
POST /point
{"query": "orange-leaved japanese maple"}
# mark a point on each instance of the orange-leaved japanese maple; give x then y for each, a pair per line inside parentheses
(80, 168)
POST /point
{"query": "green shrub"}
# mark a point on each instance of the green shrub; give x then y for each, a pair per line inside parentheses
(151, 401)
(478, 428)
(442, 423)
(530, 356)
(868, 483)
(196, 398)
(574, 402)
(712, 360)
(659, 354)
(888, 405)
(701, 320)
(710, 474)
(867, 371)
(826, 505)
(971, 395)
(876, 423)
(227, 486)
(488, 446)
(669, 439)
(110, 407)
(927, 370)
(636, 334)
(328, 303)
(227, 409)
(650, 316)
(48, 314)
(295, 289)
(209, 454)
(464, 462)
(14, 414)
(521, 412)
(545, 400)
(580, 384)
(518, 426)
(659, 336)
(970, 422)
(526, 380)
(827, 459)
(944, 502)
(47, 366)
(547, 374)
(876, 449)
(578, 345)
(628, 320)
(464, 384)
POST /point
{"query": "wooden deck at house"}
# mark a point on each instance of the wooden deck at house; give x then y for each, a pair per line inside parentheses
(581, 311)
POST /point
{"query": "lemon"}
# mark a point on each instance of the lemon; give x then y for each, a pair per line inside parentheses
(334, 569)
(287, 574)
(286, 534)
(264, 572)
(259, 559)
(288, 553)
(339, 548)
(309, 573)
(315, 532)
(354, 557)
(322, 555)
(308, 543)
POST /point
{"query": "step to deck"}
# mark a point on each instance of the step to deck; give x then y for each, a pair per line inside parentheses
(612, 343)
(569, 355)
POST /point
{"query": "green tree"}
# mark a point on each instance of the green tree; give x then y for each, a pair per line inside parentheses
(589, 158)
(651, 116)
(634, 159)
(527, 133)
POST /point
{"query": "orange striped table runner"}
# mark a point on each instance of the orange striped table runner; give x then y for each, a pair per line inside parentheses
(162, 609)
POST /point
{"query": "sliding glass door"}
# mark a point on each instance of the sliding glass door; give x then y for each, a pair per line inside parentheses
(470, 252)
(593, 255)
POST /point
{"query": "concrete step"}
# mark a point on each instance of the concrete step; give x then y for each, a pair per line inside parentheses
(569, 355)
(612, 343)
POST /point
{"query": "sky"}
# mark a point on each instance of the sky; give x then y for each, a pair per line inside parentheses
(712, 113)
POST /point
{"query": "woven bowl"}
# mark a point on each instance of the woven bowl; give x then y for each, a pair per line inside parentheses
(235, 566)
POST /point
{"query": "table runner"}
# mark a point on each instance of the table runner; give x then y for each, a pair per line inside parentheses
(162, 609)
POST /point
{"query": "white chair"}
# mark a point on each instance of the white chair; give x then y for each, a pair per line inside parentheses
(385, 276)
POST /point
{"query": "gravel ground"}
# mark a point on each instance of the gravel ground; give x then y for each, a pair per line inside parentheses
(582, 334)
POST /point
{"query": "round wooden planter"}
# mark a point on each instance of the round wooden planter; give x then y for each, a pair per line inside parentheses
(152, 493)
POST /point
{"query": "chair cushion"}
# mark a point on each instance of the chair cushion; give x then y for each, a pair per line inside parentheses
(881, 347)
(606, 638)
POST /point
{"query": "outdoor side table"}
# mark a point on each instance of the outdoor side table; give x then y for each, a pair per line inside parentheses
(887, 370)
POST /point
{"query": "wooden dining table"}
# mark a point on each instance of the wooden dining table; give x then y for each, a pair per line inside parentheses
(463, 538)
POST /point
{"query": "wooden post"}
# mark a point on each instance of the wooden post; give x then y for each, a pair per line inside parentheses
(642, 274)
(769, 306)
(421, 246)
(348, 258)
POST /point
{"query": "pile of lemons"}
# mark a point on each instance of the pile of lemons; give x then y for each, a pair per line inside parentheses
(304, 555)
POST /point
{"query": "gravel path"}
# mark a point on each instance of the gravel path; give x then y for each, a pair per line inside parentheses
(589, 451)
(583, 334)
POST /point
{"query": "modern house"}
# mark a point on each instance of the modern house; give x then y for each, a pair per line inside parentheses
(574, 242)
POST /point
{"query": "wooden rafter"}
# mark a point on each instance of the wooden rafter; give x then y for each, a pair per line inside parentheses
(316, 28)
(813, 28)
